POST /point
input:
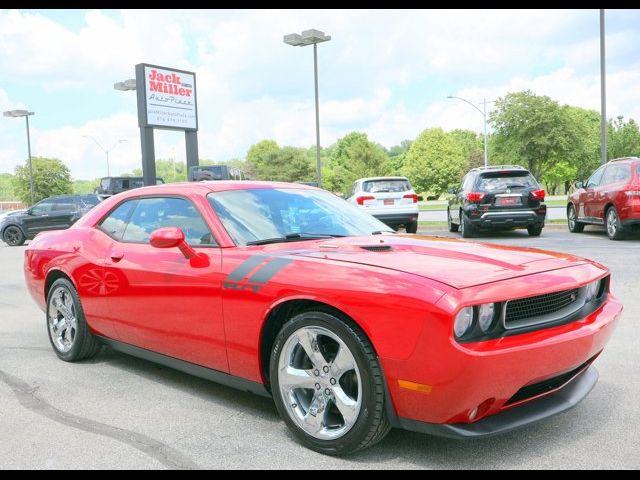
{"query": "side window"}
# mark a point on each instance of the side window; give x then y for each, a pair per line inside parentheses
(153, 213)
(64, 205)
(467, 186)
(116, 222)
(42, 208)
(594, 180)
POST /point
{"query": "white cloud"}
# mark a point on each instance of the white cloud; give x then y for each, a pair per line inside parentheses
(384, 73)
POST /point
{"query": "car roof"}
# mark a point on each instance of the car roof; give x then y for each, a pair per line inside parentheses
(624, 160)
(212, 186)
(375, 179)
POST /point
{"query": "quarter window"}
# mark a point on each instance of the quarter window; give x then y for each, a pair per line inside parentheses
(116, 222)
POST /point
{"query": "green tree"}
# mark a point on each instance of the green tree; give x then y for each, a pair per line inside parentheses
(258, 158)
(50, 177)
(471, 145)
(560, 173)
(582, 129)
(6, 187)
(435, 162)
(354, 156)
(532, 127)
(623, 139)
(397, 155)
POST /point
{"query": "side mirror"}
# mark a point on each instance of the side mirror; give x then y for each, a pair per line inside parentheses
(170, 237)
(30, 212)
(452, 191)
(579, 185)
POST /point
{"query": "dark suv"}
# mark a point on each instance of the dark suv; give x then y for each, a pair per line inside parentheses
(611, 197)
(53, 213)
(497, 197)
(112, 185)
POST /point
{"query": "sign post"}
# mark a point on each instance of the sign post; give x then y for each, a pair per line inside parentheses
(166, 100)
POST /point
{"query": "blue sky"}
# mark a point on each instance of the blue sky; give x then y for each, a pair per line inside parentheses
(386, 73)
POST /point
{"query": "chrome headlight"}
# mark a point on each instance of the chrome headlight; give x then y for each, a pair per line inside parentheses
(485, 316)
(463, 322)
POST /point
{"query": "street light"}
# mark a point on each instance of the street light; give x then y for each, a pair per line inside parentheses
(105, 150)
(484, 116)
(127, 85)
(25, 114)
(311, 37)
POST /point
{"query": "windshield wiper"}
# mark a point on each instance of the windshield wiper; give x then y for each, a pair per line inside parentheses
(380, 232)
(294, 237)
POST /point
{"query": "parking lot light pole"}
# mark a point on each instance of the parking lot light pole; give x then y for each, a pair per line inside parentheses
(311, 37)
(106, 151)
(484, 116)
(25, 114)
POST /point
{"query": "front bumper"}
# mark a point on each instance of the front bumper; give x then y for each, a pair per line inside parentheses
(553, 404)
(457, 379)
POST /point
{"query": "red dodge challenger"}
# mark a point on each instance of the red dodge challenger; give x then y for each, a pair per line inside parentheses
(288, 291)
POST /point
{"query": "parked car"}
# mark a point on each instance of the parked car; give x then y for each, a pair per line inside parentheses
(611, 197)
(215, 172)
(287, 291)
(391, 200)
(112, 185)
(498, 197)
(53, 213)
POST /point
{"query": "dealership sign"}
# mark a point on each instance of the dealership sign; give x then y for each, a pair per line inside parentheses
(169, 99)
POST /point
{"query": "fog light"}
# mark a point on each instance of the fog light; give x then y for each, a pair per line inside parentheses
(463, 321)
(485, 316)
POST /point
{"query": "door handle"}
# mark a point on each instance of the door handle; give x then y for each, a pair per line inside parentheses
(116, 256)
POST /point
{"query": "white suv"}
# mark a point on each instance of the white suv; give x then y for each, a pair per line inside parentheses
(389, 199)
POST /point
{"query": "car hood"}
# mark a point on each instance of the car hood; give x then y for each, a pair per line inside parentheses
(11, 213)
(454, 262)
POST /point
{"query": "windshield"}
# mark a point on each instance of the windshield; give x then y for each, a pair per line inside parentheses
(503, 180)
(256, 215)
(386, 185)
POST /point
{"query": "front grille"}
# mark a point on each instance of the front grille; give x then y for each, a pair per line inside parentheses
(539, 306)
(549, 385)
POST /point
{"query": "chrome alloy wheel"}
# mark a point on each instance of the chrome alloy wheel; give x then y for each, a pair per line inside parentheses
(612, 222)
(63, 324)
(319, 383)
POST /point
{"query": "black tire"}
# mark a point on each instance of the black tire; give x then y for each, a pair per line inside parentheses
(615, 230)
(535, 230)
(466, 227)
(453, 227)
(412, 227)
(572, 220)
(371, 424)
(13, 236)
(84, 344)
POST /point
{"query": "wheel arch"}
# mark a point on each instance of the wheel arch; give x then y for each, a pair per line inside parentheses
(53, 275)
(13, 224)
(280, 313)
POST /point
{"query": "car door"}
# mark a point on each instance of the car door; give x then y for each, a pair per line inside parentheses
(37, 218)
(615, 177)
(64, 213)
(587, 197)
(168, 305)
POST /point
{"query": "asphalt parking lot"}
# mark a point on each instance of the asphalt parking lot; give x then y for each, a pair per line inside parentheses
(116, 411)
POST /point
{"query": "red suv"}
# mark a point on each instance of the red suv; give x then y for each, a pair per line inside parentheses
(611, 197)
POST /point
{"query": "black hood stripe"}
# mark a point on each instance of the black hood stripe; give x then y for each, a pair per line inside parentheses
(245, 268)
(265, 274)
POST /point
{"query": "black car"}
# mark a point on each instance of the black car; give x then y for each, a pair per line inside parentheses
(112, 185)
(497, 197)
(53, 213)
